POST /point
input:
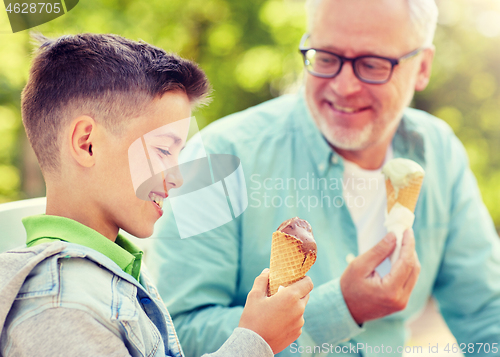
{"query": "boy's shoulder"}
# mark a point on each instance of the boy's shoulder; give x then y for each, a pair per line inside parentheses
(17, 264)
(52, 280)
(34, 295)
(60, 274)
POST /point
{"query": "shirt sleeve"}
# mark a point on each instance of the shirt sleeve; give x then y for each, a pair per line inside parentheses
(468, 283)
(327, 317)
(54, 332)
(243, 343)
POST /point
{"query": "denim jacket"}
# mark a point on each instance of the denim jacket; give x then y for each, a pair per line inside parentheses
(66, 299)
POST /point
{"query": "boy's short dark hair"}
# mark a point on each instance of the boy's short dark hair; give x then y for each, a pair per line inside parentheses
(108, 77)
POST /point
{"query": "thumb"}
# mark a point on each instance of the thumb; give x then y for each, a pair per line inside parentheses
(261, 282)
(376, 255)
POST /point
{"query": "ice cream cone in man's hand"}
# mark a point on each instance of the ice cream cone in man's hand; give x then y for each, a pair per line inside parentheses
(403, 180)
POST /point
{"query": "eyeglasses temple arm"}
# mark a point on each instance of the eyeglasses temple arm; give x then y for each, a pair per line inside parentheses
(411, 54)
(303, 41)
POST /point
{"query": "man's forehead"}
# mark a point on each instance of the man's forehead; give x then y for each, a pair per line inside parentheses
(357, 27)
(381, 7)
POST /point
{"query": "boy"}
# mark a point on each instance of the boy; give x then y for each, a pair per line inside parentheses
(79, 288)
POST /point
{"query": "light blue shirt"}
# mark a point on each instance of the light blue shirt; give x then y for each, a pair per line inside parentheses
(285, 159)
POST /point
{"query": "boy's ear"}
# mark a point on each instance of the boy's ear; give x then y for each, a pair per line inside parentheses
(82, 133)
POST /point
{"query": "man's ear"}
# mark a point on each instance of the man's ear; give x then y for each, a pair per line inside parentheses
(82, 135)
(424, 72)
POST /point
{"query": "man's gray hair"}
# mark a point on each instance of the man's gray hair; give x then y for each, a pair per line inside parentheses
(423, 13)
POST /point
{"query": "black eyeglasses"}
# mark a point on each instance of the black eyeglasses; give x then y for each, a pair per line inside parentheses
(368, 69)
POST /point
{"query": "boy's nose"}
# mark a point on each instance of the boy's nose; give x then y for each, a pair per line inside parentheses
(173, 178)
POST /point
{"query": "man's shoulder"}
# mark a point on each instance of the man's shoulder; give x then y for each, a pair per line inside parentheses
(255, 123)
(443, 151)
(438, 137)
(427, 123)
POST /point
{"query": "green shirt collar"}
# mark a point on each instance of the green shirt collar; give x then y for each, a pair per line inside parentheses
(44, 228)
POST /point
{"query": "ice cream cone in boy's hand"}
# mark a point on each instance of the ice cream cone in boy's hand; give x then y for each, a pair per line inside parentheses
(403, 180)
(293, 252)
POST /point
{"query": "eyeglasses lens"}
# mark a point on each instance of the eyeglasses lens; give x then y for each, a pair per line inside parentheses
(371, 69)
(321, 63)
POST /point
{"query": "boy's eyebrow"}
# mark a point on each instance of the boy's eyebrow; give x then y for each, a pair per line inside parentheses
(176, 139)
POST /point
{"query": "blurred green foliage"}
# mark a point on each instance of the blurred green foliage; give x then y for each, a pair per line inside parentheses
(249, 51)
(464, 87)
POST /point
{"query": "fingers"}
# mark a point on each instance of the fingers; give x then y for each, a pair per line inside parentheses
(303, 286)
(298, 290)
(412, 279)
(401, 273)
(260, 283)
(371, 259)
(305, 299)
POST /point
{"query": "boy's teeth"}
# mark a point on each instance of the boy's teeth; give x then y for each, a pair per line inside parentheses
(156, 199)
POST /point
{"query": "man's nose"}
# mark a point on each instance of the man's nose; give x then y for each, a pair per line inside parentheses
(346, 83)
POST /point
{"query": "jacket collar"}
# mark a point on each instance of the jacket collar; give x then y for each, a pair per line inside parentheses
(46, 228)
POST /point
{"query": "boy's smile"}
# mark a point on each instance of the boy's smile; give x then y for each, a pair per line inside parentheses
(153, 160)
(158, 198)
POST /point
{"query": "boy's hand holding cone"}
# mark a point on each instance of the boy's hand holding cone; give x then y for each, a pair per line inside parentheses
(403, 180)
(277, 318)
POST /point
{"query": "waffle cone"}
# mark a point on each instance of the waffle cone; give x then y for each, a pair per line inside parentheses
(288, 261)
(407, 196)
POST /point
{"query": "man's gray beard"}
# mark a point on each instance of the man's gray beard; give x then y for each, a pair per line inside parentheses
(349, 139)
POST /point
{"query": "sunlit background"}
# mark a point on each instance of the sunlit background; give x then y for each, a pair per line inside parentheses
(249, 51)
